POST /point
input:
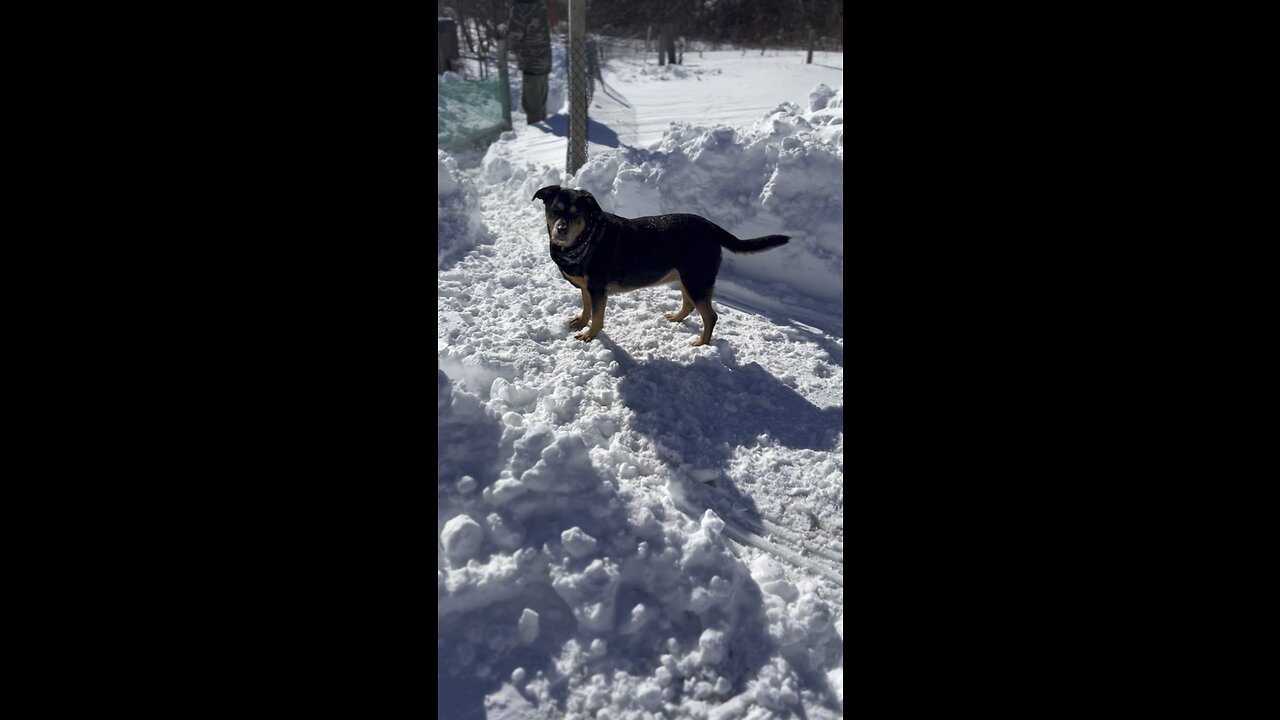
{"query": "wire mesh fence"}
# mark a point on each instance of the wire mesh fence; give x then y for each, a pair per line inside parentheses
(580, 89)
(469, 113)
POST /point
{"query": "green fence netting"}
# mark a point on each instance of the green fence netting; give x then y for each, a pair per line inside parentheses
(470, 113)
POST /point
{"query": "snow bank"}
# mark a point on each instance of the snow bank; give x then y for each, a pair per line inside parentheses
(783, 175)
(459, 224)
(563, 589)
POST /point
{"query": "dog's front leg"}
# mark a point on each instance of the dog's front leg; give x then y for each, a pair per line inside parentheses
(580, 322)
(597, 299)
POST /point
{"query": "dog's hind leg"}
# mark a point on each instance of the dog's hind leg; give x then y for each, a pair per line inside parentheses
(708, 314)
(684, 310)
(581, 321)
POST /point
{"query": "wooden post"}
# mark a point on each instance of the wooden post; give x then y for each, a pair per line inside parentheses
(448, 45)
(504, 83)
(810, 60)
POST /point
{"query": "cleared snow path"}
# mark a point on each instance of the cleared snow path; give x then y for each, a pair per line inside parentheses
(749, 428)
(635, 525)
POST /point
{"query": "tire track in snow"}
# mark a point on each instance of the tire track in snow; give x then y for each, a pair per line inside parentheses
(746, 537)
(782, 543)
(797, 540)
(788, 545)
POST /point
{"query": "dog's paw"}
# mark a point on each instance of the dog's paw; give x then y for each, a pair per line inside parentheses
(587, 336)
(577, 323)
(696, 343)
(673, 317)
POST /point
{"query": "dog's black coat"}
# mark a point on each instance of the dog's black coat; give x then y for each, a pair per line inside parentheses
(602, 253)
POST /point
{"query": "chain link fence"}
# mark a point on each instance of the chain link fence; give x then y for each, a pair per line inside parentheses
(580, 90)
(586, 57)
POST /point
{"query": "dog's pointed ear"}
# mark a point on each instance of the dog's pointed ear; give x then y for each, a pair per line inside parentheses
(584, 195)
(545, 193)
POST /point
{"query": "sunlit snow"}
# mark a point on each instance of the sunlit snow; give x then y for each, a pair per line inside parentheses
(634, 527)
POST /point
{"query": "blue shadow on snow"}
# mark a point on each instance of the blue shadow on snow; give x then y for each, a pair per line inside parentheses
(596, 133)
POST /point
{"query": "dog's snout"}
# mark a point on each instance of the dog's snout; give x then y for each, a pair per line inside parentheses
(562, 227)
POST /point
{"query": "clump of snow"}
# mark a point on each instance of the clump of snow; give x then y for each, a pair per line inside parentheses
(820, 97)
(712, 522)
(461, 538)
(459, 223)
(528, 626)
(578, 543)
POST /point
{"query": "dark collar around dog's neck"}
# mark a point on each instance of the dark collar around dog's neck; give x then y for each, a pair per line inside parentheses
(575, 260)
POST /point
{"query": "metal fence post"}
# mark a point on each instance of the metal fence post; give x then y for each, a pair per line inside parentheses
(576, 156)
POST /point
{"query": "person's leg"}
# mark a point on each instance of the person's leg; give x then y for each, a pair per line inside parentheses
(534, 97)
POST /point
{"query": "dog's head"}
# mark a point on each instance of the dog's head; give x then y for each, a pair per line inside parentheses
(569, 212)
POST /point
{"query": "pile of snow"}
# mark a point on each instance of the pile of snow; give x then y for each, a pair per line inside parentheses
(564, 588)
(783, 175)
(459, 224)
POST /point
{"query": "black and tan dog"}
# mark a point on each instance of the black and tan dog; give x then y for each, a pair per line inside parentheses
(601, 253)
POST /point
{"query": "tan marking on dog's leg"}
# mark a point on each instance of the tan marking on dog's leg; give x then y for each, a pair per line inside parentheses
(708, 320)
(579, 322)
(684, 310)
(597, 320)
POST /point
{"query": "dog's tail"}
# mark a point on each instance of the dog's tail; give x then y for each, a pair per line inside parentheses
(753, 245)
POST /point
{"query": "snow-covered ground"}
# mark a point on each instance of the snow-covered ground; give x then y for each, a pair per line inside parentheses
(634, 527)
